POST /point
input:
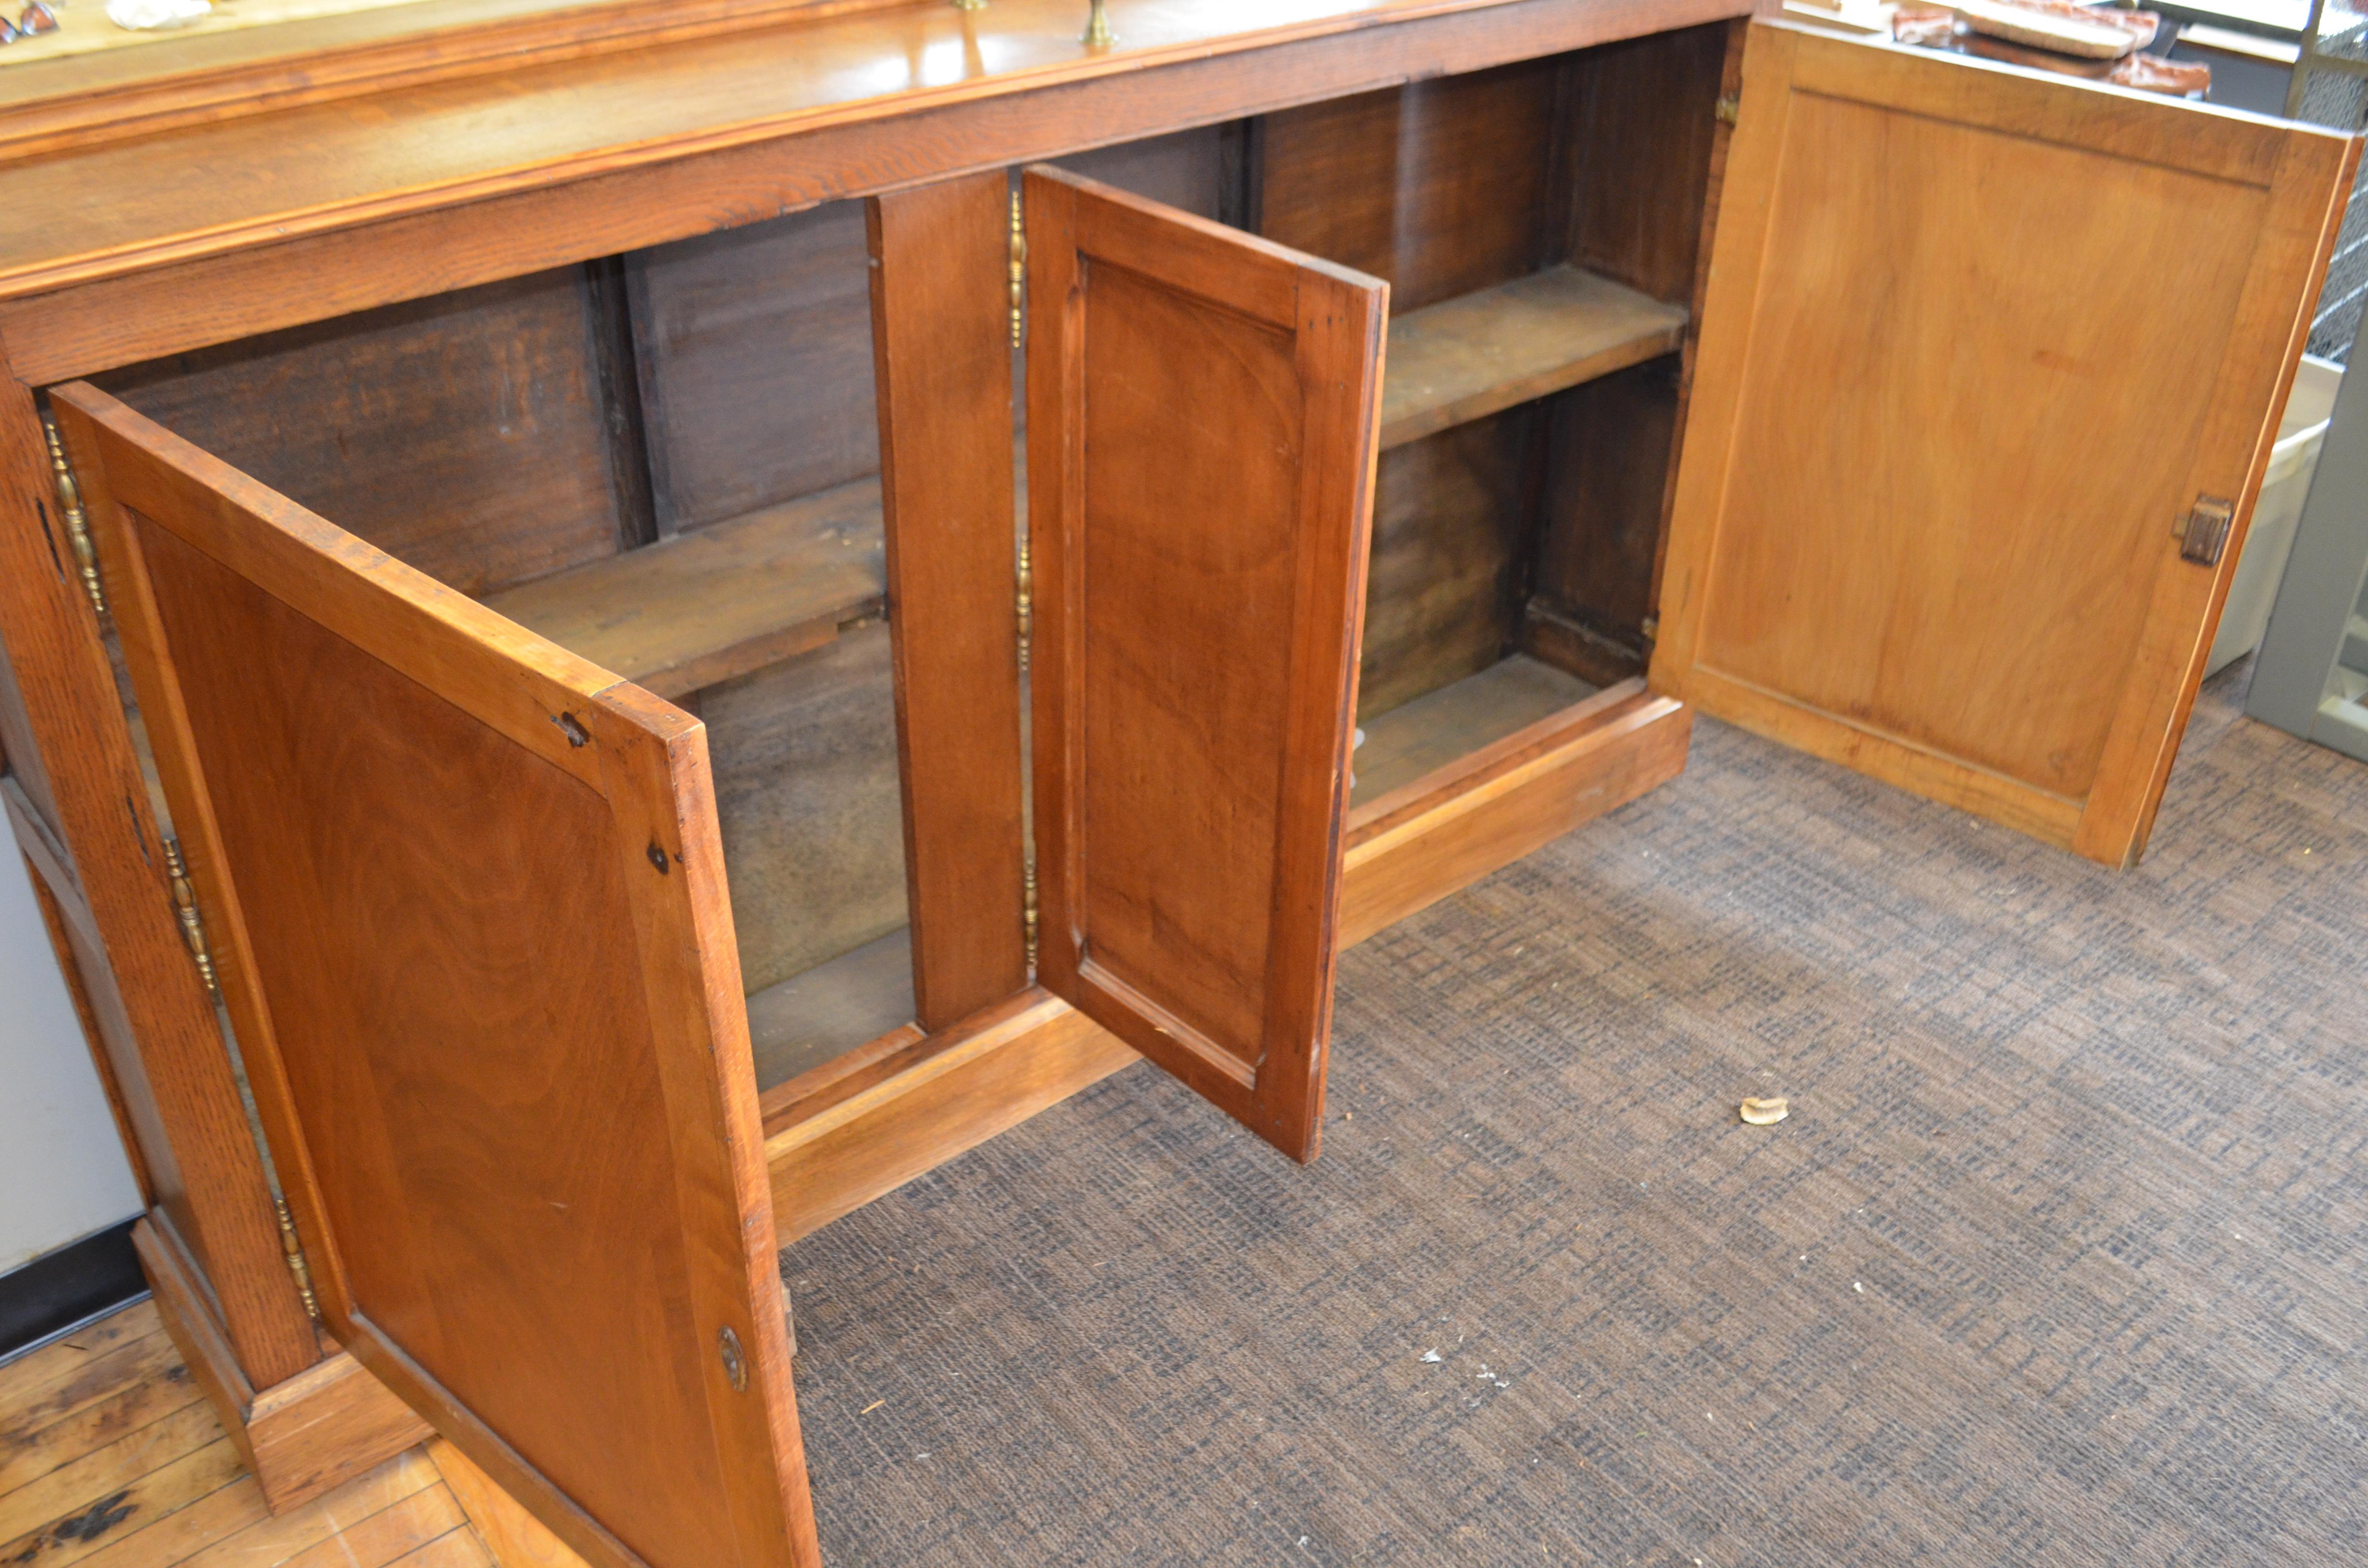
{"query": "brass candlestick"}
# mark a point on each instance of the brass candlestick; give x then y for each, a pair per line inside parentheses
(1097, 27)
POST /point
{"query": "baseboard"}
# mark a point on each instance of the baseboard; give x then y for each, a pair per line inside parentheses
(976, 1079)
(300, 1437)
(58, 1289)
(1447, 830)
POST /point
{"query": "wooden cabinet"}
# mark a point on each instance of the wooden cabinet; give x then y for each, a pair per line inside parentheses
(720, 677)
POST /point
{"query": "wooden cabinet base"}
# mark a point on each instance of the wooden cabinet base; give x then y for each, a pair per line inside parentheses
(1449, 828)
(986, 1074)
(301, 1436)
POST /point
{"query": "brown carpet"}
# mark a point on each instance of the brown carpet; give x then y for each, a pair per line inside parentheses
(2062, 1258)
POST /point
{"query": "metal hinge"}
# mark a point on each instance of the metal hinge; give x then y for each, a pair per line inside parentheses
(296, 1263)
(2203, 534)
(1026, 605)
(1729, 106)
(86, 554)
(1028, 913)
(1019, 264)
(185, 908)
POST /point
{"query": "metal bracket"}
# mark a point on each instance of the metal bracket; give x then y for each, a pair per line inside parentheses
(185, 908)
(296, 1263)
(1018, 264)
(86, 554)
(2203, 534)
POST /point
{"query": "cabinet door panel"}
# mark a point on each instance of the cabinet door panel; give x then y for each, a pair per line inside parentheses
(1976, 342)
(467, 907)
(1201, 421)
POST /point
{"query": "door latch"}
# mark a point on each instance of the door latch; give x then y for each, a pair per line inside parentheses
(2203, 534)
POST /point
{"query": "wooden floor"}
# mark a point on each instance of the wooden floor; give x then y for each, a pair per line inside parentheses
(109, 1458)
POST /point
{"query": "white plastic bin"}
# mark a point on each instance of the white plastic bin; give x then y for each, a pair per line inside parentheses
(2264, 563)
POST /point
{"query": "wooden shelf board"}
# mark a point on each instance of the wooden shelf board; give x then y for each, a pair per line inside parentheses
(722, 600)
(1467, 358)
(1445, 726)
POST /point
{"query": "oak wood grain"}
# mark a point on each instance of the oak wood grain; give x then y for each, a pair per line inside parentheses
(1187, 832)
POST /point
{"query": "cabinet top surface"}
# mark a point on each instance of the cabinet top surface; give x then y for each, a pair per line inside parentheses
(114, 208)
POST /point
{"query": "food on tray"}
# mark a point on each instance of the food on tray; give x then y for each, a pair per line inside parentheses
(2155, 74)
(2059, 25)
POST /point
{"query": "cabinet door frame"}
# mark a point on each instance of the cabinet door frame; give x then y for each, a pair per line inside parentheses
(2305, 172)
(1332, 321)
(646, 762)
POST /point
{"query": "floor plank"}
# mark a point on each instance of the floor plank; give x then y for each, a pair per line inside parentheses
(459, 1549)
(164, 1388)
(180, 1535)
(79, 1379)
(111, 1458)
(23, 1381)
(94, 1523)
(424, 1516)
(121, 1464)
(516, 1537)
(275, 1541)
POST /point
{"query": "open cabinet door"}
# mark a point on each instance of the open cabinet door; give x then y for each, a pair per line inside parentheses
(466, 904)
(1991, 363)
(1201, 421)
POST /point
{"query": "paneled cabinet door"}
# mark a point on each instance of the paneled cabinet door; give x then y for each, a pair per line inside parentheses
(1201, 419)
(467, 906)
(1991, 362)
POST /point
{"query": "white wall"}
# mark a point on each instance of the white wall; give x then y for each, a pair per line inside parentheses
(63, 1171)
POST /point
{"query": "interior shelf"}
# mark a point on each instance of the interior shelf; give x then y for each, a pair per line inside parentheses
(832, 1008)
(1467, 358)
(722, 600)
(1442, 726)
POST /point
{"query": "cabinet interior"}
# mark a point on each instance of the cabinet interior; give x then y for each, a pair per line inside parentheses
(668, 462)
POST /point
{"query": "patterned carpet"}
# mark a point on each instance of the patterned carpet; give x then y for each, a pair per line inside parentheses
(2061, 1259)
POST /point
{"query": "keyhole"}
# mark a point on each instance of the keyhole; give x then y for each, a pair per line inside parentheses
(659, 857)
(735, 1364)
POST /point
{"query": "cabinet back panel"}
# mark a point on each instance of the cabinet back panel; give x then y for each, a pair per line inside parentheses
(754, 350)
(1440, 187)
(1442, 597)
(806, 795)
(463, 434)
(1186, 170)
(1607, 473)
(1639, 152)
